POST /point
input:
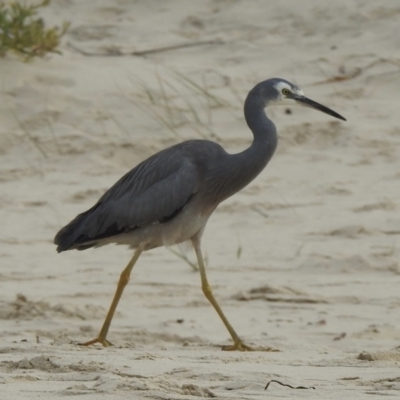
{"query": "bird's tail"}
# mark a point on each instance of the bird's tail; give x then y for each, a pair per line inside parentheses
(72, 235)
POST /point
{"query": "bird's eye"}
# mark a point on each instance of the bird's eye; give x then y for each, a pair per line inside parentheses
(285, 91)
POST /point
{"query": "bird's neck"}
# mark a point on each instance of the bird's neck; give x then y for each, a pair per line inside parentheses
(246, 165)
(231, 174)
(257, 156)
(264, 130)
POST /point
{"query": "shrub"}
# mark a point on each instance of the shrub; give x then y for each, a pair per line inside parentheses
(25, 34)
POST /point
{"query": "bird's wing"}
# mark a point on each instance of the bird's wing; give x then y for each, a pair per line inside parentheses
(145, 197)
(153, 192)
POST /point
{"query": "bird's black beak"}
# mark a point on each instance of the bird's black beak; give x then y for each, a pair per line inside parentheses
(305, 101)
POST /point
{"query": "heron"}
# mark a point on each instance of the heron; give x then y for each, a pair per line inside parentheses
(168, 198)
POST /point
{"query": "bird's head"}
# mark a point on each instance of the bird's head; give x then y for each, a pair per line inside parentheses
(278, 91)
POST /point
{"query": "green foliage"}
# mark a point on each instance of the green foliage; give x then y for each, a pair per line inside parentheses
(26, 35)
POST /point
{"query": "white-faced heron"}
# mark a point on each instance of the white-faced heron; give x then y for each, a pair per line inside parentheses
(168, 198)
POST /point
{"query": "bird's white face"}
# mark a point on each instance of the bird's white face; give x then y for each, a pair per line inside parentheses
(284, 91)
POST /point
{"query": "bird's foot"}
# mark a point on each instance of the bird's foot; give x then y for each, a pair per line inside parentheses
(100, 340)
(240, 346)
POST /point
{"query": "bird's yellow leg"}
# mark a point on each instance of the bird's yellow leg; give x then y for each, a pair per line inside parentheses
(123, 281)
(237, 342)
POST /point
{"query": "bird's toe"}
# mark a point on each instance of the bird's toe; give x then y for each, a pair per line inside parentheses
(240, 346)
(100, 340)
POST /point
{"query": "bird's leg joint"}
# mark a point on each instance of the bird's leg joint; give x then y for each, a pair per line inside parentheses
(206, 289)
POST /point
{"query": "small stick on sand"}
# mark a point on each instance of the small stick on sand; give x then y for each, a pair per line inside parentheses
(357, 71)
(290, 386)
(112, 52)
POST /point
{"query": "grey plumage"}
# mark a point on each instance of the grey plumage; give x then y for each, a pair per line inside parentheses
(169, 197)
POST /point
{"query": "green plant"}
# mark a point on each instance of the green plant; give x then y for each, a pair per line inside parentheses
(25, 34)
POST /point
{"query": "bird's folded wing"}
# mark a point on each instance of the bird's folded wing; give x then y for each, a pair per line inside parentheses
(153, 192)
(156, 203)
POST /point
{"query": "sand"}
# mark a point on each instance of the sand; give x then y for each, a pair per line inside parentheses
(304, 260)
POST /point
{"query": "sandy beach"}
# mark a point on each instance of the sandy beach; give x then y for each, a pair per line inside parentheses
(304, 260)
